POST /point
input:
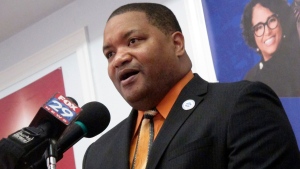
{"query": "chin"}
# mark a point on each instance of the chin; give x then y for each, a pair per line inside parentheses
(140, 104)
(132, 100)
(272, 52)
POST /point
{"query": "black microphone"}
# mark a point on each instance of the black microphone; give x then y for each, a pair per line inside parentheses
(93, 119)
(50, 122)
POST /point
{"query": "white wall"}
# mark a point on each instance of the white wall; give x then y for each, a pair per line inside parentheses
(92, 14)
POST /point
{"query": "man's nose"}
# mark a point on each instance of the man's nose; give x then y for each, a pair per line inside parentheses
(121, 59)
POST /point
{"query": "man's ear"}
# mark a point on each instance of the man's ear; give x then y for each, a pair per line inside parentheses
(178, 40)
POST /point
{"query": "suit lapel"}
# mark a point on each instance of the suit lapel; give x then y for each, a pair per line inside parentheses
(122, 147)
(194, 90)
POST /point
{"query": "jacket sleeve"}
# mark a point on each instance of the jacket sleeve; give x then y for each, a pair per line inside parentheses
(259, 133)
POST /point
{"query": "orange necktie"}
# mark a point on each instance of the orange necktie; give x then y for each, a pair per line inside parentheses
(145, 140)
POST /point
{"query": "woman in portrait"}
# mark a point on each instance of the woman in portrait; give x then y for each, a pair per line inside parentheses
(269, 28)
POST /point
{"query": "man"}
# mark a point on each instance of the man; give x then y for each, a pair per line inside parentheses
(198, 124)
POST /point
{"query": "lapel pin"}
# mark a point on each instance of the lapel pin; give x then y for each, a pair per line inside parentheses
(188, 104)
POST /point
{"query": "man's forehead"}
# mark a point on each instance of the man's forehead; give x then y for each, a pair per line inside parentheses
(133, 12)
(125, 22)
(127, 17)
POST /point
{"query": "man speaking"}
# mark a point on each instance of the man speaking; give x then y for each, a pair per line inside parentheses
(178, 120)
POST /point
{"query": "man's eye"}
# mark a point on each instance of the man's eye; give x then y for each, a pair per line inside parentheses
(109, 55)
(132, 41)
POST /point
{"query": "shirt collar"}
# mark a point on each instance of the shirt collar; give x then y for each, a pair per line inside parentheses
(167, 102)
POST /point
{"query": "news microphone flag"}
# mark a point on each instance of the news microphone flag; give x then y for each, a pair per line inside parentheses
(57, 110)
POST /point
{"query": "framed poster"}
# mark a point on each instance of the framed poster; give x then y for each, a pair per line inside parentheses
(258, 41)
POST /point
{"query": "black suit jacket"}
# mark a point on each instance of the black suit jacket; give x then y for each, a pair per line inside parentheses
(234, 125)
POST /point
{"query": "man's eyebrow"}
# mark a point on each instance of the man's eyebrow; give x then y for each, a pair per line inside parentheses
(125, 36)
(105, 47)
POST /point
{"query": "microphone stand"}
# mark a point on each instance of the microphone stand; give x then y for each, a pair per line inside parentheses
(51, 154)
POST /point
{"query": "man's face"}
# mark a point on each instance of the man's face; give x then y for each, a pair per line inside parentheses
(141, 59)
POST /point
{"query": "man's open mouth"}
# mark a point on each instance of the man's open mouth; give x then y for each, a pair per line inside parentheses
(128, 74)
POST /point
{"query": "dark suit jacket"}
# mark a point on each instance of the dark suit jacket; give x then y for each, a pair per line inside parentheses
(281, 73)
(235, 125)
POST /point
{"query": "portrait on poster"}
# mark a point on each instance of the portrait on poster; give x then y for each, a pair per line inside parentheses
(256, 40)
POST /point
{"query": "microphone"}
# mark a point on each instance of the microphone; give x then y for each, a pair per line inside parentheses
(93, 119)
(50, 122)
(59, 111)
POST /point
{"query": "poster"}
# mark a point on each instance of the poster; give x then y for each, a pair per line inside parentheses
(258, 41)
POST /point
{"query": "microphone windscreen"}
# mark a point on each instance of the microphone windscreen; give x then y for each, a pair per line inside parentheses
(95, 117)
(72, 100)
